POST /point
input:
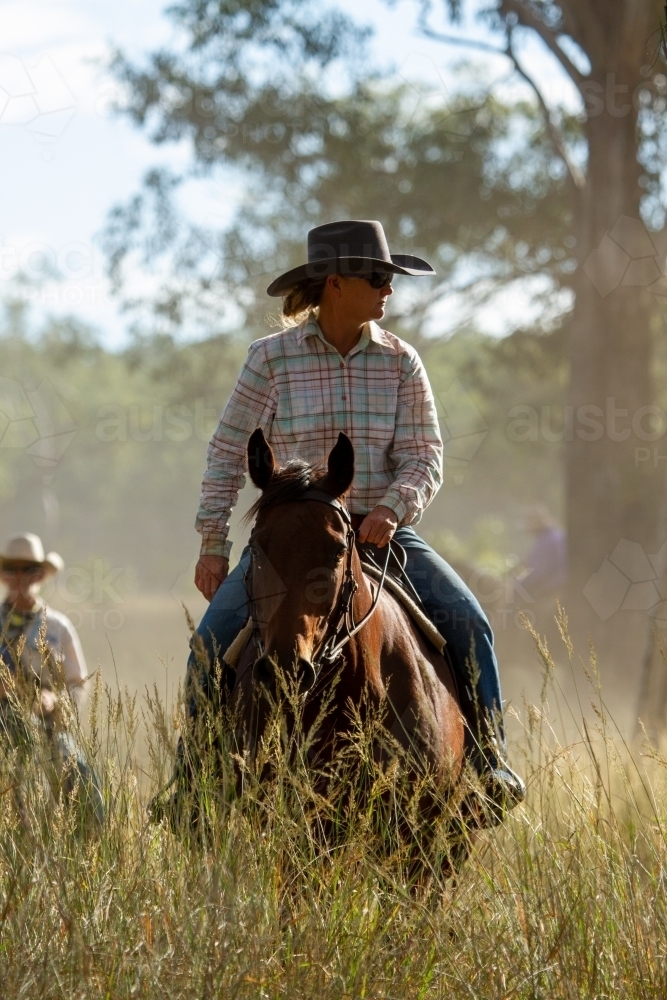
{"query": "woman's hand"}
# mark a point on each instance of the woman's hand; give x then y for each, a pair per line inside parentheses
(210, 573)
(378, 527)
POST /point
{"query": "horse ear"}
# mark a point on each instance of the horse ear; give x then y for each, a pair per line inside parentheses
(340, 467)
(261, 463)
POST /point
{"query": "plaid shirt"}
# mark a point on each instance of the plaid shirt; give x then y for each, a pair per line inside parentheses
(301, 392)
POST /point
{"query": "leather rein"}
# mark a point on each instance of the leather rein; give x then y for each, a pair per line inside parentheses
(341, 628)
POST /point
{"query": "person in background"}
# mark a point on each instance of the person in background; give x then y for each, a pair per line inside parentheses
(546, 562)
(37, 645)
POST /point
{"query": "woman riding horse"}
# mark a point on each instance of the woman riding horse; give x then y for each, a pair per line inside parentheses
(333, 369)
(342, 639)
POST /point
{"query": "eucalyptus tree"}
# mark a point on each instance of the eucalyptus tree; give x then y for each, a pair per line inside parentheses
(613, 54)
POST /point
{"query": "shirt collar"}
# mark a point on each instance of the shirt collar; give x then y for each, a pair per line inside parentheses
(371, 331)
(16, 617)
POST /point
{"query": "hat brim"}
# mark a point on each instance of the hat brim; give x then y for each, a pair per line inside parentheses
(52, 564)
(349, 267)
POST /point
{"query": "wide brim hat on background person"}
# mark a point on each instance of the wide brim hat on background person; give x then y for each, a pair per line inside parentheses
(353, 248)
(27, 552)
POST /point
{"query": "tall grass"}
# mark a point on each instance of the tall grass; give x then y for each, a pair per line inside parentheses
(566, 899)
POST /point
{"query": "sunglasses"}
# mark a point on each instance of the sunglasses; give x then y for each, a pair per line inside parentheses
(378, 279)
(21, 570)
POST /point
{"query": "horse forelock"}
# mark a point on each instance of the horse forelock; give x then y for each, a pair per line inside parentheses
(288, 483)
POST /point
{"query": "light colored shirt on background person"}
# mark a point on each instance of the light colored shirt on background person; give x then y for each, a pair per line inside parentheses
(302, 393)
(63, 643)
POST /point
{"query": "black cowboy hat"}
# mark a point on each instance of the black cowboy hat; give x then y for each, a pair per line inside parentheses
(349, 248)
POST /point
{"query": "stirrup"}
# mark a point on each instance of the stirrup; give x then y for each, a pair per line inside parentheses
(503, 789)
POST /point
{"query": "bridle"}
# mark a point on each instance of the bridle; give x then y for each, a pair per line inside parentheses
(341, 626)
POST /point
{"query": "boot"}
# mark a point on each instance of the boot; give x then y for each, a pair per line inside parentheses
(169, 803)
(503, 788)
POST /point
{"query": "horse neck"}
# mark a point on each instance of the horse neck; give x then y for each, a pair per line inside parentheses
(367, 644)
(363, 597)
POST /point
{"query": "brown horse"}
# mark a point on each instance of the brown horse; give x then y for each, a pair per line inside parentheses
(316, 615)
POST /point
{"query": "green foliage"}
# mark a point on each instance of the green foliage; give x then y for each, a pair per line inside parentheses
(504, 475)
(142, 421)
(228, 58)
(464, 179)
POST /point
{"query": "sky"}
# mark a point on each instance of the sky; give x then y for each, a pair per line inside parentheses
(65, 159)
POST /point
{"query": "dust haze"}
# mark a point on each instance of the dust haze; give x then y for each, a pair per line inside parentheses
(114, 486)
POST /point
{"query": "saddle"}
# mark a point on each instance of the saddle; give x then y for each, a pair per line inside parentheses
(397, 583)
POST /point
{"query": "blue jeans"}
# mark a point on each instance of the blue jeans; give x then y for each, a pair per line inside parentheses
(67, 768)
(451, 606)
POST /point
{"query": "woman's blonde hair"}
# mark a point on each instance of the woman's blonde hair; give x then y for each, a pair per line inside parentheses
(301, 299)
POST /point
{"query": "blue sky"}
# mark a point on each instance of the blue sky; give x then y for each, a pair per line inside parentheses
(65, 160)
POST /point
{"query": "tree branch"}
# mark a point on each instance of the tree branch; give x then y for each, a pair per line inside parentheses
(575, 173)
(528, 19)
(471, 43)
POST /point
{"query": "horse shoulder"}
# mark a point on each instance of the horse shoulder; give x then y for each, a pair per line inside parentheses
(417, 681)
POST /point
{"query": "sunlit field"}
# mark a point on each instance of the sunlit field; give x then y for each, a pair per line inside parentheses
(567, 899)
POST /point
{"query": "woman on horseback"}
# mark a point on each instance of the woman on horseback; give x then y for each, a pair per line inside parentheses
(333, 369)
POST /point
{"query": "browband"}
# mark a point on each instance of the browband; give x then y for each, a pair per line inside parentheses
(330, 501)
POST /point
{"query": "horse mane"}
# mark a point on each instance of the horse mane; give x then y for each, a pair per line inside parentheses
(288, 483)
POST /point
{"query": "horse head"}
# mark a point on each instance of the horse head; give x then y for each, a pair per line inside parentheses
(300, 558)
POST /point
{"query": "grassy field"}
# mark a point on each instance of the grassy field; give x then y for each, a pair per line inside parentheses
(567, 899)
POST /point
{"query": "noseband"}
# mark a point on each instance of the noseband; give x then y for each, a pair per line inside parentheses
(341, 626)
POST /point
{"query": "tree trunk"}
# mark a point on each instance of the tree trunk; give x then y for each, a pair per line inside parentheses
(612, 482)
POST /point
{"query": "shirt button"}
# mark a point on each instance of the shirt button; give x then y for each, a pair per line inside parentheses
(343, 397)
(342, 365)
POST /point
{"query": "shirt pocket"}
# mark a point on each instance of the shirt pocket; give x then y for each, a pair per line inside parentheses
(296, 404)
(374, 406)
(306, 411)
